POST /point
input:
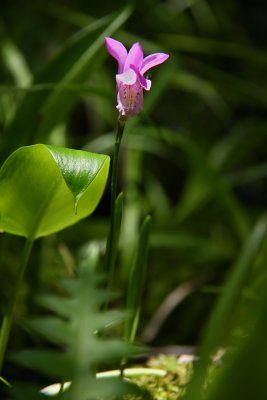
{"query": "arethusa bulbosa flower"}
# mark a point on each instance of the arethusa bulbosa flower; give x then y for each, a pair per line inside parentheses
(130, 79)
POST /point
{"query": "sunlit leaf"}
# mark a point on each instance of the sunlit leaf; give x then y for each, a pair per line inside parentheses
(47, 188)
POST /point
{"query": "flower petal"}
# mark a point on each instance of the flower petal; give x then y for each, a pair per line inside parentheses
(135, 57)
(152, 60)
(116, 50)
(145, 83)
(130, 99)
(128, 77)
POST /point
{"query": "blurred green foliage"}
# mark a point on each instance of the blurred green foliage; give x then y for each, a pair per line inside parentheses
(195, 159)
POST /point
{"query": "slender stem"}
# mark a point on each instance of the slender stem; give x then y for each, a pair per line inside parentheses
(8, 318)
(111, 249)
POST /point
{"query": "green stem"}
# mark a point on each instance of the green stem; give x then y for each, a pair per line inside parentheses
(8, 318)
(111, 249)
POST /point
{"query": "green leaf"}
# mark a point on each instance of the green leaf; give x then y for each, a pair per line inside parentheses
(217, 325)
(246, 363)
(46, 188)
(21, 391)
(15, 62)
(137, 281)
(82, 331)
(48, 362)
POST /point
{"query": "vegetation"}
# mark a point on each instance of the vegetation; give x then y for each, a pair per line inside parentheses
(183, 211)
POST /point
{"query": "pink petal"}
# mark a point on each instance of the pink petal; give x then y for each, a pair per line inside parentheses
(116, 50)
(152, 60)
(145, 83)
(128, 77)
(130, 99)
(135, 56)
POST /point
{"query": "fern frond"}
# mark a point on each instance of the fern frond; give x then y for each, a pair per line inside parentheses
(78, 326)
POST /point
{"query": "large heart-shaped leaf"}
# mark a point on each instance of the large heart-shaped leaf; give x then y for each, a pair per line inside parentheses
(47, 188)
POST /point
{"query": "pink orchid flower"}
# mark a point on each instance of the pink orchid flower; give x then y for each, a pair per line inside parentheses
(130, 78)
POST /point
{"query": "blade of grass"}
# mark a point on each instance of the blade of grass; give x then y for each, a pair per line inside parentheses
(15, 63)
(137, 281)
(224, 308)
(202, 45)
(8, 318)
(36, 115)
(113, 246)
(59, 99)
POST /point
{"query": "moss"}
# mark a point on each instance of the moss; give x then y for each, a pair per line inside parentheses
(168, 387)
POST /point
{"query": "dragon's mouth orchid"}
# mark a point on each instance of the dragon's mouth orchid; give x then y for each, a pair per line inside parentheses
(130, 78)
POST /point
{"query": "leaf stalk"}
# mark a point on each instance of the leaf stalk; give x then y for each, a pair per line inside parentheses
(8, 318)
